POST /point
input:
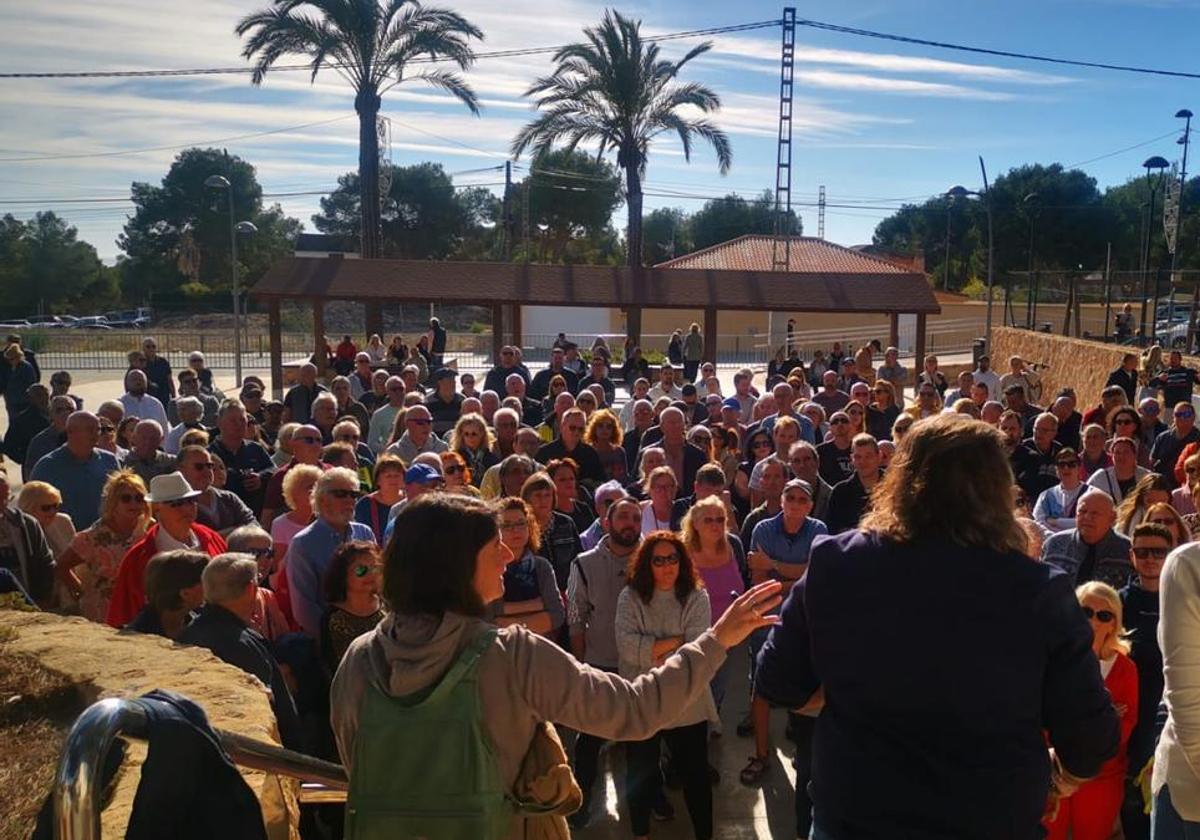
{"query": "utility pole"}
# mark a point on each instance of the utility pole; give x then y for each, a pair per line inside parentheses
(781, 251)
(506, 219)
(821, 213)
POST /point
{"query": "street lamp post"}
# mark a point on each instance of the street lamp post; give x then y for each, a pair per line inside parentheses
(1031, 304)
(1150, 164)
(220, 182)
(951, 195)
(959, 191)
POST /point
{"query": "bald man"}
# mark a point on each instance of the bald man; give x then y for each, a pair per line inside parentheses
(78, 469)
(1091, 550)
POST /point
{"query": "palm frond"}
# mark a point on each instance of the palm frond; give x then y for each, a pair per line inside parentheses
(450, 82)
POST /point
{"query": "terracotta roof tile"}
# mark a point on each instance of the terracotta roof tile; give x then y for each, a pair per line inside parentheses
(805, 255)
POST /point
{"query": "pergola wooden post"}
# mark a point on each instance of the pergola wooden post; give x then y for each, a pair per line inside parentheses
(518, 337)
(633, 323)
(919, 344)
(498, 333)
(318, 307)
(894, 330)
(710, 334)
(275, 330)
(374, 319)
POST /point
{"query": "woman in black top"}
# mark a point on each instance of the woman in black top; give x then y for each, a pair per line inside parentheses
(352, 585)
(882, 413)
(961, 749)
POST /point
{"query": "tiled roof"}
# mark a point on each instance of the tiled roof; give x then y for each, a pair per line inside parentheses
(883, 289)
(806, 256)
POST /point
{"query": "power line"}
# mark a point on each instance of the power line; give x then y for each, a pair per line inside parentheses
(220, 71)
(1122, 151)
(183, 146)
(944, 45)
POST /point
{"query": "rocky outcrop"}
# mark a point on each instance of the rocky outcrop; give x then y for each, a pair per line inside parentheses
(103, 662)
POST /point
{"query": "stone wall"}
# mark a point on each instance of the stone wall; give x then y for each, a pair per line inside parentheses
(106, 663)
(1074, 362)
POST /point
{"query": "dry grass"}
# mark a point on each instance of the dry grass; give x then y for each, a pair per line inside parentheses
(36, 708)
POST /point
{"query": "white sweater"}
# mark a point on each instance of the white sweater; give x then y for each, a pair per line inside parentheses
(1177, 759)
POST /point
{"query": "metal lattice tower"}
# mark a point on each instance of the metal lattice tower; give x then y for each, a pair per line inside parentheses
(821, 213)
(782, 250)
(383, 131)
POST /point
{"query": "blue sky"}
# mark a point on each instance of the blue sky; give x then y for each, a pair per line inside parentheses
(875, 121)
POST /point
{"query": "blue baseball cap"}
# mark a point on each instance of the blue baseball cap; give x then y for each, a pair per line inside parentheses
(732, 402)
(421, 474)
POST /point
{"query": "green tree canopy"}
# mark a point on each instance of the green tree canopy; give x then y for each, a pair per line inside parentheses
(424, 216)
(178, 237)
(44, 264)
(722, 219)
(572, 197)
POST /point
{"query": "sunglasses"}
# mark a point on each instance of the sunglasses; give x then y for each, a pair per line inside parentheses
(1103, 616)
(51, 507)
(260, 552)
(839, 421)
(661, 560)
(362, 570)
(178, 503)
(126, 498)
(344, 493)
(1150, 553)
(107, 428)
(1184, 415)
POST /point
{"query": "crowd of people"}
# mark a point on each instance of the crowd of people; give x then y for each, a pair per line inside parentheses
(972, 642)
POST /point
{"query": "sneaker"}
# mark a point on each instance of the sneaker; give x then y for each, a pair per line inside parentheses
(581, 818)
(754, 771)
(662, 810)
(745, 727)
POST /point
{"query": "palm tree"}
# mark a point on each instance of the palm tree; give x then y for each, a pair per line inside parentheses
(370, 43)
(614, 90)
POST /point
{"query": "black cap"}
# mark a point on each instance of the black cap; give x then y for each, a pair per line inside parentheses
(443, 373)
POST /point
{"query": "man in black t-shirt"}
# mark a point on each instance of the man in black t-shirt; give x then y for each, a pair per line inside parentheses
(834, 454)
(1176, 381)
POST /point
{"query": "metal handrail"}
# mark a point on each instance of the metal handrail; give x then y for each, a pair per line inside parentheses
(77, 783)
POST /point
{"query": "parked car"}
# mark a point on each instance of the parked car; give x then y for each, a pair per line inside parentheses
(93, 322)
(18, 324)
(128, 319)
(46, 322)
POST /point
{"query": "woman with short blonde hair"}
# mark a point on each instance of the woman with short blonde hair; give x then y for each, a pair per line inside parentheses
(43, 502)
(89, 565)
(1092, 808)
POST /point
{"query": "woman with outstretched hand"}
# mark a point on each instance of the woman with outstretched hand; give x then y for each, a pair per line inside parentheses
(445, 562)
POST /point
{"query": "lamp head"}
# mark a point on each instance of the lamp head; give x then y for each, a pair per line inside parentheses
(216, 182)
(1156, 162)
(1183, 114)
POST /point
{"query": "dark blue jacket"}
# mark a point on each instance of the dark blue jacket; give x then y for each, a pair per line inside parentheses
(944, 669)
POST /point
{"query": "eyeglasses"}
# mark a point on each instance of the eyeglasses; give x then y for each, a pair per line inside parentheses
(107, 428)
(514, 526)
(344, 493)
(178, 503)
(1103, 616)
(839, 421)
(1144, 553)
(260, 552)
(453, 469)
(854, 412)
(364, 569)
(661, 560)
(1184, 415)
(662, 485)
(126, 498)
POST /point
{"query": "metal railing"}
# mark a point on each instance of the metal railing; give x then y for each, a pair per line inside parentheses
(78, 781)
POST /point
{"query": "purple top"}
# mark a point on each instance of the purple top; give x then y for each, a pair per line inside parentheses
(720, 581)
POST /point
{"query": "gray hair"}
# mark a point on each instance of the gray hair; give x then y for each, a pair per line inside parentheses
(189, 407)
(325, 397)
(329, 477)
(240, 539)
(226, 577)
(516, 460)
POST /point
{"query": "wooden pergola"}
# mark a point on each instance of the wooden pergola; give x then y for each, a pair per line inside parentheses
(506, 287)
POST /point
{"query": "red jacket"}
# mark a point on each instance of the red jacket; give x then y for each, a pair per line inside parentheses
(129, 593)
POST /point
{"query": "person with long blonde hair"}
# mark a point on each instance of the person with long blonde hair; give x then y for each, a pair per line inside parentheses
(1088, 810)
(1021, 655)
(472, 439)
(1152, 489)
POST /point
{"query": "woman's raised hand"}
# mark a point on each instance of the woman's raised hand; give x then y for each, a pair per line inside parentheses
(748, 613)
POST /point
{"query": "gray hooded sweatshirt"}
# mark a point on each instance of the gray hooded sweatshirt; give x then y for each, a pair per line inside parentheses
(524, 679)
